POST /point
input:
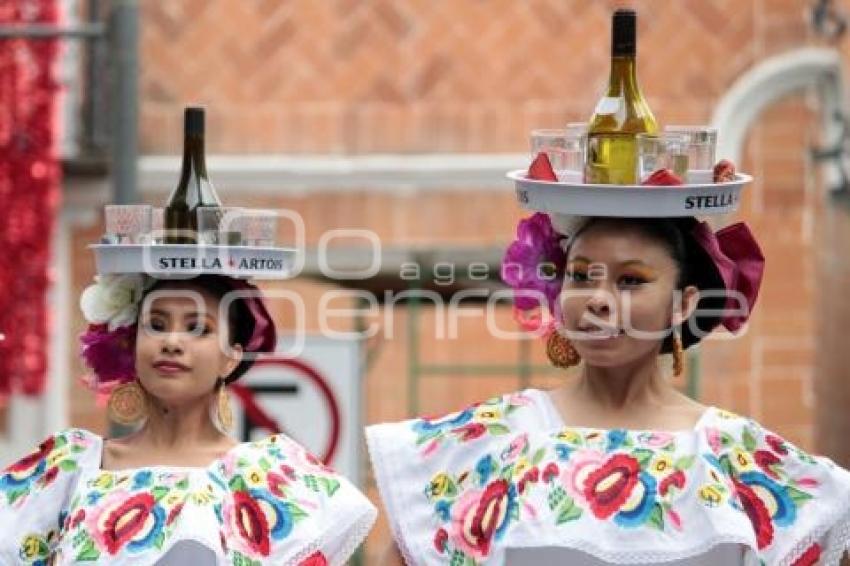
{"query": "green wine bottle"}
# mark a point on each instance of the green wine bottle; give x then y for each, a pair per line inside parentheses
(621, 113)
(194, 189)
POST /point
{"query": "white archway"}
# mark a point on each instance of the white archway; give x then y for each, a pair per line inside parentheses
(769, 81)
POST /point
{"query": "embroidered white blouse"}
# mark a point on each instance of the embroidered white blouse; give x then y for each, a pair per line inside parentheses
(265, 502)
(505, 482)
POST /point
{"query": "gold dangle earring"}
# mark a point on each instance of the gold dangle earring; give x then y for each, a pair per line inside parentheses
(225, 413)
(561, 351)
(128, 403)
(678, 354)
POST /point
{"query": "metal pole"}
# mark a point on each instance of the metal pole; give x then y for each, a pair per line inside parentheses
(124, 36)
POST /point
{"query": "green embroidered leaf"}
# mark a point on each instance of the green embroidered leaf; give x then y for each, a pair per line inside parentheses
(264, 464)
(426, 437)
(297, 513)
(242, 463)
(15, 495)
(88, 553)
(685, 462)
(67, 465)
(514, 513)
(656, 517)
(183, 484)
(569, 511)
(159, 492)
(726, 439)
(60, 442)
(511, 408)
(749, 441)
(76, 449)
(237, 483)
(643, 456)
(331, 486)
(507, 472)
(538, 456)
(556, 496)
(496, 429)
(797, 496)
(159, 540)
(727, 465)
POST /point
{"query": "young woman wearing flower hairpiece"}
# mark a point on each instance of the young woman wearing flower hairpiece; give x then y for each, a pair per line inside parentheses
(179, 489)
(615, 466)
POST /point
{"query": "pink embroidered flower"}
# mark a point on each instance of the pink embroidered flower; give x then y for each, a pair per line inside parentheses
(656, 439)
(713, 437)
(479, 516)
(580, 465)
(516, 447)
(470, 431)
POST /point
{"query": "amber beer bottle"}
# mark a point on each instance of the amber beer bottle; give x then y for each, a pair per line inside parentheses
(194, 189)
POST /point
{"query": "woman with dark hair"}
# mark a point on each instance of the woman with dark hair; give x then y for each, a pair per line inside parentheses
(615, 466)
(179, 489)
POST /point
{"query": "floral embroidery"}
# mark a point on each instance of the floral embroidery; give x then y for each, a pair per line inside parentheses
(487, 418)
(633, 479)
(763, 489)
(58, 454)
(259, 494)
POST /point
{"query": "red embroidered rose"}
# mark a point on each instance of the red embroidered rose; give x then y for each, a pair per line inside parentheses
(765, 460)
(440, 540)
(51, 474)
(608, 487)
(315, 559)
(776, 444)
(126, 521)
(251, 522)
(173, 513)
(470, 431)
(478, 516)
(757, 512)
(550, 472)
(33, 459)
(810, 557)
(677, 479)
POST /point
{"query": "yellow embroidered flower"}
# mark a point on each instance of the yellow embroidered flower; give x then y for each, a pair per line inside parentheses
(487, 415)
(522, 466)
(711, 495)
(570, 436)
(255, 477)
(661, 466)
(103, 481)
(56, 456)
(173, 499)
(201, 498)
(726, 414)
(439, 485)
(33, 547)
(743, 461)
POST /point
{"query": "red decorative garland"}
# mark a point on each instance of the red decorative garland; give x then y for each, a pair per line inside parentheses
(30, 175)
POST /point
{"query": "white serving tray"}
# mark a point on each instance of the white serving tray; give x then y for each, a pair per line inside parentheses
(189, 260)
(580, 199)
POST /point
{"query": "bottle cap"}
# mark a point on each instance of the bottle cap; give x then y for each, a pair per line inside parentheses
(194, 120)
(624, 32)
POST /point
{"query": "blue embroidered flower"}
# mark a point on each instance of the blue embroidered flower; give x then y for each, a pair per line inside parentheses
(637, 516)
(616, 438)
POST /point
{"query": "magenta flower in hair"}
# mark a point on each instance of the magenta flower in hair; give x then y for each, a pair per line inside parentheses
(535, 261)
(110, 354)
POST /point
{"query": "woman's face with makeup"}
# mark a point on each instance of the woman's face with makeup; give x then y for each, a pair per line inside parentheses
(179, 353)
(618, 295)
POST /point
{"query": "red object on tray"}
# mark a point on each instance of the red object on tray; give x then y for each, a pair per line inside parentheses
(724, 171)
(662, 178)
(541, 169)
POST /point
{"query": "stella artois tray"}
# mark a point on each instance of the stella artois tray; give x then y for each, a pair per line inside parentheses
(581, 199)
(189, 260)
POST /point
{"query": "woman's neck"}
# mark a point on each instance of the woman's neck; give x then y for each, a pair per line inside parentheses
(177, 426)
(631, 386)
